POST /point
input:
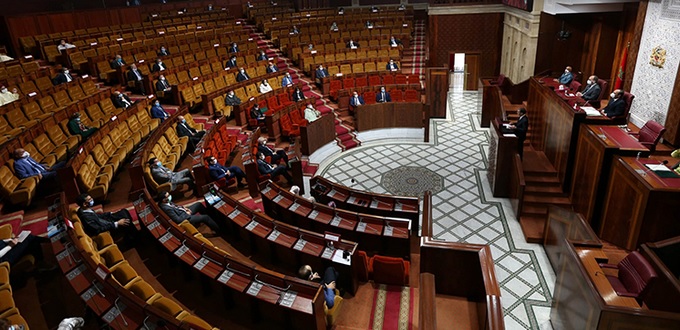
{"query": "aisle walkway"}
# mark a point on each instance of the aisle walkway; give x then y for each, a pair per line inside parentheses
(454, 168)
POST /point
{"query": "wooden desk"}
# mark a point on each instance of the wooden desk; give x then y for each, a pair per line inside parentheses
(386, 115)
(590, 259)
(502, 150)
(317, 134)
(595, 151)
(639, 205)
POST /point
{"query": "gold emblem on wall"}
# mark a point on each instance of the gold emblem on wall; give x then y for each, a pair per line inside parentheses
(658, 57)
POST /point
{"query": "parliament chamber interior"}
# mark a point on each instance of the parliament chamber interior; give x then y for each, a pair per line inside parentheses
(346, 164)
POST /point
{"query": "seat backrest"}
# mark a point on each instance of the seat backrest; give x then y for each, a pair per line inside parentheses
(604, 88)
(636, 274)
(575, 86)
(628, 98)
(651, 133)
(389, 270)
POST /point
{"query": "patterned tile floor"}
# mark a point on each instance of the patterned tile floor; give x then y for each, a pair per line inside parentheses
(464, 210)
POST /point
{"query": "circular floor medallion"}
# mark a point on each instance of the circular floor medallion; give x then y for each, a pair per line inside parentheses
(411, 181)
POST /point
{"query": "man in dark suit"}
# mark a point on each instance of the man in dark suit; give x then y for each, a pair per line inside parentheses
(157, 111)
(256, 113)
(12, 251)
(158, 66)
(183, 129)
(592, 90)
(352, 45)
(616, 105)
(120, 100)
(271, 68)
(383, 96)
(321, 72)
(218, 171)
(162, 85)
(276, 155)
(287, 80)
(96, 223)
(266, 168)
(233, 48)
(242, 75)
(117, 62)
(262, 56)
(135, 75)
(356, 100)
(232, 62)
(163, 52)
(232, 99)
(178, 213)
(329, 279)
(394, 42)
(520, 128)
(63, 77)
(162, 174)
(392, 66)
(566, 77)
(298, 95)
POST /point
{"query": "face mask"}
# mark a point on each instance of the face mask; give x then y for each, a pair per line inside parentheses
(78, 119)
(589, 82)
(4, 90)
(213, 161)
(162, 49)
(242, 71)
(612, 95)
(382, 90)
(90, 203)
(159, 164)
(66, 72)
(158, 103)
(566, 71)
(25, 154)
(169, 198)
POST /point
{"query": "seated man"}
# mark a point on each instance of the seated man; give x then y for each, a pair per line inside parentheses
(321, 72)
(233, 48)
(232, 62)
(616, 106)
(592, 90)
(5, 58)
(63, 45)
(330, 276)
(11, 251)
(309, 49)
(178, 213)
(311, 114)
(158, 66)
(96, 223)
(334, 26)
(392, 66)
(287, 80)
(262, 56)
(232, 99)
(117, 62)
(265, 87)
(136, 76)
(162, 85)
(6, 97)
(256, 113)
(120, 100)
(383, 96)
(294, 30)
(275, 156)
(242, 75)
(394, 42)
(183, 129)
(566, 77)
(218, 171)
(163, 52)
(271, 68)
(352, 45)
(162, 174)
(369, 24)
(157, 111)
(63, 77)
(266, 168)
(75, 126)
(298, 95)
(25, 166)
(356, 100)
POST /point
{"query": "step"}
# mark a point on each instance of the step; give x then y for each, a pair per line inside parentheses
(532, 228)
(534, 210)
(551, 190)
(345, 137)
(547, 200)
(541, 178)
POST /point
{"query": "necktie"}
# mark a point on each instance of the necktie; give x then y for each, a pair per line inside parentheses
(356, 101)
(165, 84)
(125, 102)
(382, 97)
(68, 78)
(139, 77)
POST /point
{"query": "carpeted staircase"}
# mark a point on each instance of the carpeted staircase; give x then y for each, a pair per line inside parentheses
(414, 58)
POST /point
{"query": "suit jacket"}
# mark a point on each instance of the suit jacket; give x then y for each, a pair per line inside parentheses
(115, 64)
(521, 128)
(217, 171)
(353, 103)
(267, 151)
(28, 167)
(234, 100)
(298, 95)
(160, 86)
(286, 81)
(185, 130)
(378, 97)
(118, 103)
(615, 108)
(392, 66)
(272, 68)
(232, 63)
(95, 223)
(233, 49)
(61, 78)
(566, 78)
(256, 113)
(163, 53)
(356, 44)
(158, 112)
(157, 67)
(322, 73)
(591, 92)
(175, 213)
(264, 167)
(242, 76)
(262, 57)
(161, 174)
(131, 76)
(396, 42)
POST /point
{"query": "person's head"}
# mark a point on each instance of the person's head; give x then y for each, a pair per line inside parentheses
(62, 42)
(181, 119)
(5, 324)
(355, 94)
(260, 156)
(297, 89)
(158, 60)
(211, 160)
(616, 94)
(164, 197)
(310, 46)
(157, 103)
(567, 69)
(391, 61)
(119, 58)
(233, 44)
(295, 190)
(3, 89)
(351, 40)
(593, 79)
(242, 70)
(320, 66)
(382, 89)
(262, 52)
(305, 272)
(310, 106)
(264, 82)
(233, 57)
(521, 111)
(161, 77)
(262, 140)
(133, 66)
(85, 201)
(162, 48)
(391, 37)
(288, 74)
(65, 70)
(231, 93)
(76, 116)
(154, 162)
(256, 106)
(20, 153)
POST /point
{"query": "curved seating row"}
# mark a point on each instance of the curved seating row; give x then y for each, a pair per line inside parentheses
(334, 84)
(8, 309)
(316, 29)
(220, 142)
(286, 300)
(47, 94)
(297, 46)
(18, 69)
(309, 61)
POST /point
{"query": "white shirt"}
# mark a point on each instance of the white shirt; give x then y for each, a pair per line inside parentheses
(5, 58)
(312, 114)
(65, 46)
(265, 88)
(8, 97)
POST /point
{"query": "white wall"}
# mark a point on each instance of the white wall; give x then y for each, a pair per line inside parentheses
(653, 86)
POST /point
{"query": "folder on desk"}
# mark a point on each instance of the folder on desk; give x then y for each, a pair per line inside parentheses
(590, 111)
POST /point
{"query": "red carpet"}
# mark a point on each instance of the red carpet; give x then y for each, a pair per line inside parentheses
(392, 308)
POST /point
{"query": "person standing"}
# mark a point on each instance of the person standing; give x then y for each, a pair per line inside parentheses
(521, 127)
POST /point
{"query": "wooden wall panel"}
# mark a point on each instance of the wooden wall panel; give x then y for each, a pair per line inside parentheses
(553, 54)
(467, 33)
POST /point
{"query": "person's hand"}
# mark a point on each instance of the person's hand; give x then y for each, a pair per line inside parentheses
(228, 173)
(13, 242)
(39, 176)
(331, 285)
(123, 222)
(578, 94)
(315, 276)
(186, 210)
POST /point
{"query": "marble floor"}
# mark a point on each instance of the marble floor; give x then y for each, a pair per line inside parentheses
(453, 166)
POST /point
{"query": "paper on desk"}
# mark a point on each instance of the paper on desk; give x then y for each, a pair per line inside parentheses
(590, 111)
(509, 135)
(657, 167)
(22, 236)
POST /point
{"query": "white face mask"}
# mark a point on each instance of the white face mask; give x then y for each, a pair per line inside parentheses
(26, 154)
(66, 72)
(589, 82)
(566, 71)
(4, 90)
(612, 95)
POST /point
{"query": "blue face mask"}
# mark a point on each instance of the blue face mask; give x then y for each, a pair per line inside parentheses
(91, 203)
(158, 104)
(159, 164)
(184, 121)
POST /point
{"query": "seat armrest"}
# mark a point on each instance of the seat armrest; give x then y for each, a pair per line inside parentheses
(608, 266)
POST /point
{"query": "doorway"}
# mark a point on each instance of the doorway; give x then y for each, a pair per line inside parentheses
(464, 68)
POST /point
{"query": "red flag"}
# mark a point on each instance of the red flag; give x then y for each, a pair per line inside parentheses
(622, 69)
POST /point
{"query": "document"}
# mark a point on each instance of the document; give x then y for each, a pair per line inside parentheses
(22, 236)
(590, 111)
(658, 167)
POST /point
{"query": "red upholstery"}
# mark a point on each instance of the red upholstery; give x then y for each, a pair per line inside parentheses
(400, 79)
(348, 83)
(363, 266)
(374, 80)
(413, 79)
(499, 81)
(284, 99)
(361, 82)
(411, 96)
(650, 134)
(575, 86)
(628, 98)
(635, 276)
(604, 91)
(273, 104)
(336, 85)
(297, 118)
(397, 95)
(369, 97)
(263, 104)
(389, 270)
(388, 79)
(288, 128)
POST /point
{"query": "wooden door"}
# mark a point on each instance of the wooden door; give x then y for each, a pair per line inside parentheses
(472, 61)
